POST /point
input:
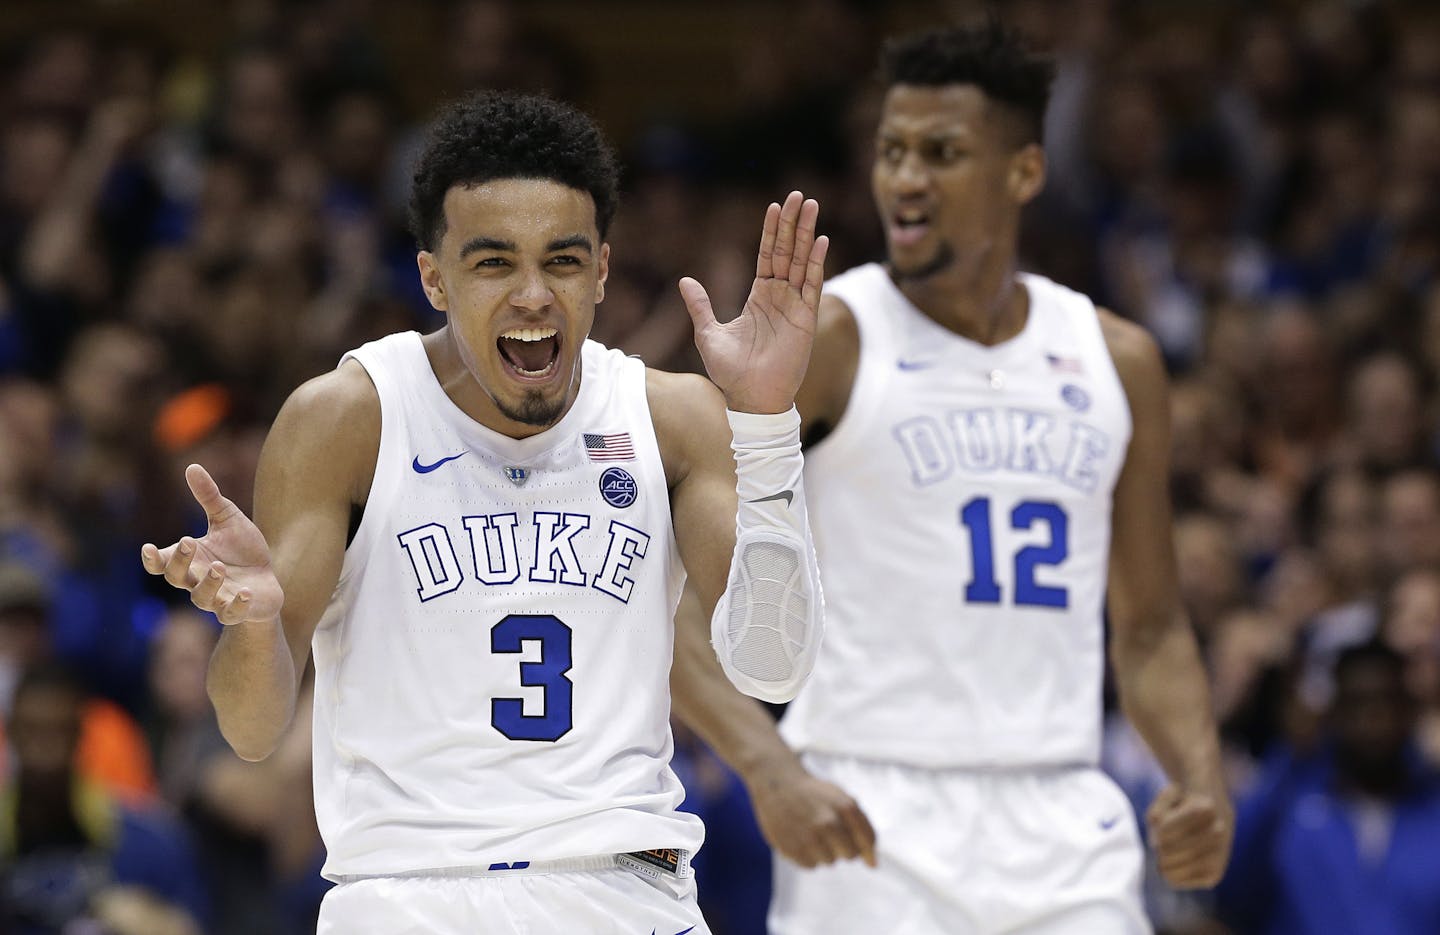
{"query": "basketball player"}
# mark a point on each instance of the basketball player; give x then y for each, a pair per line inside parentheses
(480, 532)
(989, 469)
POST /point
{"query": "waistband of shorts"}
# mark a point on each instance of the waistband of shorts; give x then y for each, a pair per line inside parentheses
(657, 862)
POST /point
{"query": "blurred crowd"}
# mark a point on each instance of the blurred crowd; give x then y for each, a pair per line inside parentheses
(186, 238)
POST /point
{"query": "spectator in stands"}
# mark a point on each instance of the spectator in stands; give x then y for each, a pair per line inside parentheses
(71, 852)
(1345, 838)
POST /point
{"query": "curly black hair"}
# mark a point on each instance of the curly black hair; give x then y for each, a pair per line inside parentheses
(504, 135)
(991, 57)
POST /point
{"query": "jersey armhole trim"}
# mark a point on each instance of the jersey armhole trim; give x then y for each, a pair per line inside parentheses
(381, 478)
(867, 389)
(658, 488)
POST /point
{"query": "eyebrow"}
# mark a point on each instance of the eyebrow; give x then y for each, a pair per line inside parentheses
(477, 244)
(573, 242)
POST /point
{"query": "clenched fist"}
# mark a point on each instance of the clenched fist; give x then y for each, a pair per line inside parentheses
(1191, 834)
(808, 820)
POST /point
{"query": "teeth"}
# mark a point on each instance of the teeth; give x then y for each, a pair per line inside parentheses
(529, 334)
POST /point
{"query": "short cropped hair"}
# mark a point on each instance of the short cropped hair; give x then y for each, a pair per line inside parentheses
(1371, 653)
(991, 57)
(495, 135)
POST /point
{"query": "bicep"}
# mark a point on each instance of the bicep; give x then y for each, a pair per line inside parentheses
(703, 507)
(313, 461)
(1142, 586)
(695, 439)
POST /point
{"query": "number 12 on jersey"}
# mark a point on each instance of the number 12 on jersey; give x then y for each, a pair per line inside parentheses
(983, 588)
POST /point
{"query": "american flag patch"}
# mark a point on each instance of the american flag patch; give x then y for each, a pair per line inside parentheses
(1060, 364)
(615, 447)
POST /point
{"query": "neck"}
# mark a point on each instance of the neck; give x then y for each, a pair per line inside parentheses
(986, 305)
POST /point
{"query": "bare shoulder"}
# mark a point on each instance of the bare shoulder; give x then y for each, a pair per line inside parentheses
(688, 412)
(1135, 353)
(833, 361)
(330, 427)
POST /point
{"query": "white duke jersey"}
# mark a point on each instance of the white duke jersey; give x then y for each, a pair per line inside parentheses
(961, 514)
(492, 673)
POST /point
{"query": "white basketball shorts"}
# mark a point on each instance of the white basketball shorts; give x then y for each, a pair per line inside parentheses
(973, 852)
(610, 901)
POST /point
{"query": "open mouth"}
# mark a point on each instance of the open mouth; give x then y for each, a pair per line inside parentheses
(530, 353)
(909, 226)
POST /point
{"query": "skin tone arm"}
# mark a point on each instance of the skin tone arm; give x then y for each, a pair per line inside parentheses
(807, 819)
(757, 361)
(1161, 680)
(318, 460)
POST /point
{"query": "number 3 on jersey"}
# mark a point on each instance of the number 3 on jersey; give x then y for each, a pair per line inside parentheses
(983, 588)
(507, 715)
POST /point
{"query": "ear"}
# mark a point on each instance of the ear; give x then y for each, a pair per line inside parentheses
(1026, 176)
(602, 269)
(430, 280)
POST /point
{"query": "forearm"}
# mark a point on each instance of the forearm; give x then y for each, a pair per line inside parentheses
(769, 621)
(737, 727)
(252, 683)
(1163, 691)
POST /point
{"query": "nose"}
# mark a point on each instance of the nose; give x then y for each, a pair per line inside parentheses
(910, 176)
(532, 292)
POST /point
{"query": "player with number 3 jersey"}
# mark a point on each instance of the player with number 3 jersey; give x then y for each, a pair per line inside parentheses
(480, 532)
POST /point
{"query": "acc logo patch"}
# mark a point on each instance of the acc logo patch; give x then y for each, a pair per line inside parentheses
(618, 487)
(1075, 397)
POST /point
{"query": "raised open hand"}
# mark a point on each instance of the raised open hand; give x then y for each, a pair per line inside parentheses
(227, 572)
(759, 359)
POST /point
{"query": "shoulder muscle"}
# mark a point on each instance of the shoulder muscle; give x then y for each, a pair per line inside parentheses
(833, 361)
(324, 442)
(689, 416)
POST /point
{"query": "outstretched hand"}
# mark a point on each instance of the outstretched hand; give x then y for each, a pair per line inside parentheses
(227, 572)
(759, 359)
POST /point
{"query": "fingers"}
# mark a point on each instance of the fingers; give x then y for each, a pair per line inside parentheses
(815, 273)
(207, 494)
(862, 834)
(785, 236)
(804, 240)
(1201, 871)
(843, 832)
(697, 303)
(206, 592)
(1191, 838)
(765, 263)
(177, 566)
(236, 610)
(154, 559)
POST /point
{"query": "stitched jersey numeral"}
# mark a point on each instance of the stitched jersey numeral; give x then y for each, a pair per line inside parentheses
(508, 715)
(983, 588)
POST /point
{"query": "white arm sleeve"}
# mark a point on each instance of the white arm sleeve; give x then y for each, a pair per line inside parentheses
(769, 622)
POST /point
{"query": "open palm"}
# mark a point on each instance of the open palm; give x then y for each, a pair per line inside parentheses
(227, 571)
(759, 358)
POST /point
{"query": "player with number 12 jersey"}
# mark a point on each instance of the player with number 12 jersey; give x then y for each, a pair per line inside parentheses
(1004, 459)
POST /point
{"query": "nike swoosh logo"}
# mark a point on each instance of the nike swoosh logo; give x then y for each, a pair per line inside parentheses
(787, 496)
(1107, 823)
(427, 468)
(686, 932)
(914, 364)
